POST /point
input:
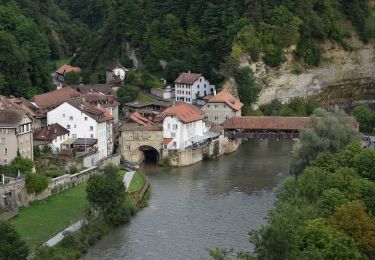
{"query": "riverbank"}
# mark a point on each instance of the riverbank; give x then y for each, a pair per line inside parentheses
(75, 240)
(44, 219)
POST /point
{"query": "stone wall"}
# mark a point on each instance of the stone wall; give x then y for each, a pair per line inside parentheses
(14, 194)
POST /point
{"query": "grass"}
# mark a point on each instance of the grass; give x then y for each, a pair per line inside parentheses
(144, 98)
(61, 62)
(43, 220)
(137, 182)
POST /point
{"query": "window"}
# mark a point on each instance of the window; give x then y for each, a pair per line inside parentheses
(5, 161)
(216, 118)
(71, 118)
(127, 147)
(169, 126)
(75, 126)
(198, 85)
(67, 126)
(2, 141)
(63, 115)
(173, 135)
(227, 117)
(91, 136)
(91, 128)
(174, 144)
(175, 126)
(74, 136)
(212, 90)
(200, 79)
(216, 106)
(5, 150)
(86, 118)
(208, 106)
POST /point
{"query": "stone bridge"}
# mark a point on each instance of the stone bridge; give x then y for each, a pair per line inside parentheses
(265, 127)
(141, 143)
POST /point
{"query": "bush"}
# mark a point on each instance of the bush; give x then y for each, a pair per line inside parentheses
(73, 169)
(36, 183)
(274, 56)
(11, 246)
(21, 164)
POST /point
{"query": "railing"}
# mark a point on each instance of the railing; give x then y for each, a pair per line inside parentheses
(262, 135)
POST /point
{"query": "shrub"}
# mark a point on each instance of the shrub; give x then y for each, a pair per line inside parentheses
(36, 183)
(274, 56)
(24, 165)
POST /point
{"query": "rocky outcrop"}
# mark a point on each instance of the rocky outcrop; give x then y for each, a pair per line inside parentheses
(339, 72)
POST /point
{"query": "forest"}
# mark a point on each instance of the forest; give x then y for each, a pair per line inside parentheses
(168, 37)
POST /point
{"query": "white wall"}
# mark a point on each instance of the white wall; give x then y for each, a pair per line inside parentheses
(181, 132)
(79, 124)
(56, 143)
(189, 93)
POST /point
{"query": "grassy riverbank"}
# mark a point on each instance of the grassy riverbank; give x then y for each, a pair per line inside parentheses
(42, 220)
(137, 182)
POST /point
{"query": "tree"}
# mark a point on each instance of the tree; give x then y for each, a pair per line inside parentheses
(329, 132)
(23, 165)
(11, 245)
(365, 117)
(248, 41)
(106, 193)
(274, 56)
(248, 89)
(72, 78)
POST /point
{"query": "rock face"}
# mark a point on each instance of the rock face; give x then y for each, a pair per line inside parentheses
(339, 68)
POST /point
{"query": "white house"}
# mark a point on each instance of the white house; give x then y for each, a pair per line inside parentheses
(85, 121)
(182, 125)
(189, 87)
(115, 71)
(53, 135)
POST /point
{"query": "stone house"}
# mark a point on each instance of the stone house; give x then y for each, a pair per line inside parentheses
(16, 135)
(190, 87)
(222, 107)
(115, 71)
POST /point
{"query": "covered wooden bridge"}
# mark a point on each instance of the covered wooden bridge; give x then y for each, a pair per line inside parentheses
(261, 127)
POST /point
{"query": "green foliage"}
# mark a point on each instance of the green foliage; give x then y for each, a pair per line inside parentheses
(72, 78)
(365, 117)
(248, 89)
(11, 245)
(296, 107)
(127, 94)
(330, 132)
(322, 214)
(21, 164)
(106, 193)
(274, 56)
(36, 183)
(246, 41)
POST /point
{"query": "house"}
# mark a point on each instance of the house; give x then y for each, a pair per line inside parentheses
(190, 87)
(22, 104)
(16, 135)
(100, 95)
(115, 71)
(85, 121)
(167, 93)
(150, 108)
(63, 70)
(53, 135)
(182, 126)
(221, 107)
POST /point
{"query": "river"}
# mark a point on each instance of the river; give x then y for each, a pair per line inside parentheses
(206, 205)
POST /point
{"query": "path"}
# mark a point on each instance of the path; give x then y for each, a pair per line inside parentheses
(128, 179)
(56, 239)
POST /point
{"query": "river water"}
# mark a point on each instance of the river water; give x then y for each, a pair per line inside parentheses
(207, 205)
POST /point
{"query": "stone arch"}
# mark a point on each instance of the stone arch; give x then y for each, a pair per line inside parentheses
(149, 153)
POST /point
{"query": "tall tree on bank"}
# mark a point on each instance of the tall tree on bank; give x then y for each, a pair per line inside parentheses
(248, 89)
(11, 246)
(330, 132)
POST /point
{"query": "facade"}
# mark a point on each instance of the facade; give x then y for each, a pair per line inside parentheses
(61, 72)
(181, 124)
(115, 71)
(53, 135)
(149, 109)
(190, 87)
(167, 93)
(85, 121)
(221, 107)
(16, 135)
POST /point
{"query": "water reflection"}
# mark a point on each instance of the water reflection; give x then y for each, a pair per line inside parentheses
(210, 204)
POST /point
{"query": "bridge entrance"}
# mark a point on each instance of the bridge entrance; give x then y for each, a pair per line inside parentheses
(150, 154)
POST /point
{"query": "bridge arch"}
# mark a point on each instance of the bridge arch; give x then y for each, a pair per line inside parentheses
(149, 154)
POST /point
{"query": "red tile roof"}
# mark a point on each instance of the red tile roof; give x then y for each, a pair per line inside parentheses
(55, 98)
(166, 141)
(225, 97)
(67, 68)
(187, 78)
(265, 122)
(11, 117)
(141, 120)
(185, 112)
(50, 133)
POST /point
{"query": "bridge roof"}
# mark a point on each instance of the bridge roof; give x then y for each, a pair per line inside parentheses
(267, 123)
